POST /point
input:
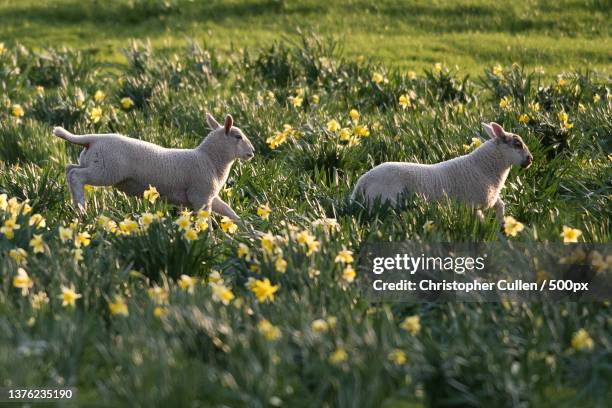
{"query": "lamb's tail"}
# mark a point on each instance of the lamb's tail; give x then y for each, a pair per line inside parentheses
(83, 140)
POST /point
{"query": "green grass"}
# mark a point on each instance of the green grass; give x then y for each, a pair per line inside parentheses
(414, 35)
(201, 352)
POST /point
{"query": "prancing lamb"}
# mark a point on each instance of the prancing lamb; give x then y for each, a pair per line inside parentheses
(191, 177)
(475, 179)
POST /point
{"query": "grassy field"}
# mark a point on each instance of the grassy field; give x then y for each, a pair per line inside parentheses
(126, 306)
(556, 35)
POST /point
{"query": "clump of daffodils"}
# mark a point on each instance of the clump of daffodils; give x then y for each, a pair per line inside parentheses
(345, 257)
(475, 144)
(581, 340)
(268, 330)
(281, 137)
(306, 239)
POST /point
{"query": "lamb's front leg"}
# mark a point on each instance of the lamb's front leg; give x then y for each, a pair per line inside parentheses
(499, 207)
(221, 207)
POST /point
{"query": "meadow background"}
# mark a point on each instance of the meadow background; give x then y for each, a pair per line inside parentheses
(129, 308)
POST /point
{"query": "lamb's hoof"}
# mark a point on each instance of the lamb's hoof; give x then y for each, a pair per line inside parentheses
(81, 209)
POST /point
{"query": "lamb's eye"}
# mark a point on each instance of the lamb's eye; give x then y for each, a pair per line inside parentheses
(518, 144)
(239, 137)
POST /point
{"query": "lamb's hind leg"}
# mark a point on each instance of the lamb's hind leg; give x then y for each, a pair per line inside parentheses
(77, 178)
(68, 169)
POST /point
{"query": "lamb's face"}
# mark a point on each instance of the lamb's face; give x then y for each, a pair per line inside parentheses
(241, 144)
(511, 146)
(231, 138)
(515, 150)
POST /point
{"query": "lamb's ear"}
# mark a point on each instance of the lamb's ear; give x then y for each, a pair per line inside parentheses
(214, 125)
(499, 131)
(229, 122)
(489, 130)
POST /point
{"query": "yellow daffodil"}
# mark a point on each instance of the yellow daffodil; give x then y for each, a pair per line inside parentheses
(227, 225)
(77, 255)
(345, 256)
(581, 340)
(333, 125)
(404, 101)
(397, 357)
(190, 235)
(37, 244)
(118, 307)
(146, 219)
(319, 326)
(296, 101)
(506, 103)
(362, 131)
(263, 211)
(428, 226)
(221, 293)
(437, 68)
(22, 281)
(3, 202)
(160, 311)
(99, 96)
(158, 294)
(498, 70)
(69, 296)
(95, 115)
(65, 234)
(183, 222)
(214, 277)
(37, 220)
(512, 227)
(412, 324)
(127, 103)
(187, 283)
(524, 119)
(345, 134)
(349, 274)
(151, 194)
(268, 243)
(19, 255)
(411, 75)
(377, 77)
(354, 114)
(280, 265)
(39, 299)
(243, 251)
(268, 330)
(338, 356)
(17, 111)
(128, 226)
(570, 234)
(82, 239)
(263, 290)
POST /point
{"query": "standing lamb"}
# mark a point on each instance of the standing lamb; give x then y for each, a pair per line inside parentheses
(191, 177)
(475, 179)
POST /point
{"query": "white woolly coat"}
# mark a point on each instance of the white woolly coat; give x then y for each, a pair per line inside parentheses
(475, 179)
